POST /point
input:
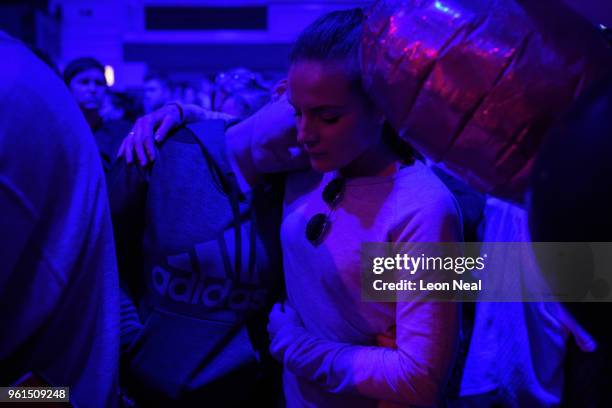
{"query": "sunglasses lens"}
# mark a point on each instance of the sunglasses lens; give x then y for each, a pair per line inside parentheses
(318, 224)
(333, 191)
(316, 228)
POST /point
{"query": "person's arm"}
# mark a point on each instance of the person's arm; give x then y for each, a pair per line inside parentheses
(263, 143)
(414, 373)
(154, 127)
(194, 113)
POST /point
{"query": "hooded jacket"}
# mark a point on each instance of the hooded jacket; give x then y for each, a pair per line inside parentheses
(198, 285)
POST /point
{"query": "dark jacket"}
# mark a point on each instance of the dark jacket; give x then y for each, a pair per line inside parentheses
(205, 275)
(108, 138)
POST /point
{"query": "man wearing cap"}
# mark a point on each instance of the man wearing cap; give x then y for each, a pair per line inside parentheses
(85, 79)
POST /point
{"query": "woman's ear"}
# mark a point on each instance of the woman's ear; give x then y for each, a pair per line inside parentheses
(279, 89)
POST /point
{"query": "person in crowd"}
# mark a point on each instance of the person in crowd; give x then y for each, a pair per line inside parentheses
(47, 59)
(120, 106)
(244, 103)
(189, 94)
(178, 90)
(85, 79)
(347, 139)
(569, 202)
(157, 91)
(200, 267)
(204, 94)
(517, 350)
(234, 81)
(364, 185)
(58, 277)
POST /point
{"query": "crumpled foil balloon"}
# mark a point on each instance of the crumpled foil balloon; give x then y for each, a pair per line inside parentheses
(475, 84)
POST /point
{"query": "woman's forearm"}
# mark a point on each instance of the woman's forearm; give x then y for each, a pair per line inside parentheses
(413, 374)
(195, 113)
(239, 152)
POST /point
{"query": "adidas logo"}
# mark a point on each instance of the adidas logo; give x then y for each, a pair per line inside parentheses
(208, 276)
(211, 293)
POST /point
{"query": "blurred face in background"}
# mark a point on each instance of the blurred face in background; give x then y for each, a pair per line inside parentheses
(204, 94)
(229, 83)
(235, 106)
(110, 110)
(89, 88)
(243, 104)
(156, 95)
(189, 95)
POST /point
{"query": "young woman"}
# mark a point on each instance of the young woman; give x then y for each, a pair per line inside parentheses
(325, 335)
(363, 186)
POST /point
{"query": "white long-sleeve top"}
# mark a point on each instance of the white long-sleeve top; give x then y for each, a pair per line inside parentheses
(333, 360)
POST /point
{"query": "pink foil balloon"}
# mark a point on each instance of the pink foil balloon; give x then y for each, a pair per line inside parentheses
(476, 84)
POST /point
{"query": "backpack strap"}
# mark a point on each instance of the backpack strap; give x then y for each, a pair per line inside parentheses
(210, 136)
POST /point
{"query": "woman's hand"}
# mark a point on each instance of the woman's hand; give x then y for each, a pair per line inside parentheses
(153, 127)
(282, 316)
(387, 339)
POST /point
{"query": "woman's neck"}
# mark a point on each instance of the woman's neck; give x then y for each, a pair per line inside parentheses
(379, 160)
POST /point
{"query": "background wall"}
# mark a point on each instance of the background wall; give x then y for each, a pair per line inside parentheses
(116, 32)
(134, 36)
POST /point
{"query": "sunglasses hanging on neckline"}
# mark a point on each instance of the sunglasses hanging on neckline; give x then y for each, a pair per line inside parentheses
(318, 226)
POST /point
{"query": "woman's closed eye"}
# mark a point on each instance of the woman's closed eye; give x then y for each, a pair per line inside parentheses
(330, 119)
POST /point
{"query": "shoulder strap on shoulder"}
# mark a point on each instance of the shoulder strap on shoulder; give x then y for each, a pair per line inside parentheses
(210, 135)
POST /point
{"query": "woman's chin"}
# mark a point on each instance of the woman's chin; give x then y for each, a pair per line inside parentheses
(322, 166)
